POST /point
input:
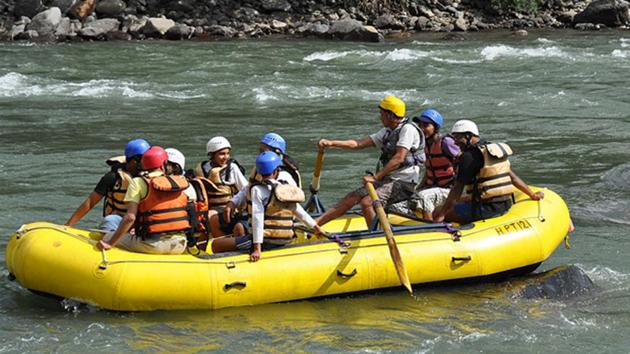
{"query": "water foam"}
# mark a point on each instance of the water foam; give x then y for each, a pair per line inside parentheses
(406, 54)
(19, 85)
(325, 56)
(605, 274)
(103, 88)
(403, 54)
(498, 51)
(16, 84)
(424, 43)
(456, 61)
(618, 53)
(263, 96)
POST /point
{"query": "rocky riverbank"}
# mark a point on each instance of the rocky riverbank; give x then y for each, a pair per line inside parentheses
(361, 20)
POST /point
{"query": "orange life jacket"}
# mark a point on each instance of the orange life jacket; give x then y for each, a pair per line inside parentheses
(439, 167)
(165, 209)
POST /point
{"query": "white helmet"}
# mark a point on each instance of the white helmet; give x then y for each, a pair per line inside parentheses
(217, 143)
(465, 126)
(175, 156)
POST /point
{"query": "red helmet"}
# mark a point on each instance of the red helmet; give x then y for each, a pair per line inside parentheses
(154, 158)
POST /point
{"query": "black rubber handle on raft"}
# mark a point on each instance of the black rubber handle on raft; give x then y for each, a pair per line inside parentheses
(347, 275)
(462, 259)
(236, 284)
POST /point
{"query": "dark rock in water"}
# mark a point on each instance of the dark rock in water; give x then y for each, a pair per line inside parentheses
(612, 13)
(559, 283)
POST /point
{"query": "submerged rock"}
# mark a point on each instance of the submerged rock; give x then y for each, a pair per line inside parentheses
(559, 283)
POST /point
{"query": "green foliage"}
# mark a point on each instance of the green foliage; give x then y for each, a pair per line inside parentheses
(530, 6)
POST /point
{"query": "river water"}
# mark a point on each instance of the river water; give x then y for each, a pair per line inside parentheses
(560, 99)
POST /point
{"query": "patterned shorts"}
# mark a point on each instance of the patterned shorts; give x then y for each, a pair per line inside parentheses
(428, 199)
(389, 191)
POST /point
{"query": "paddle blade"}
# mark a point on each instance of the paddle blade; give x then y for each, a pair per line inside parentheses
(391, 242)
(398, 263)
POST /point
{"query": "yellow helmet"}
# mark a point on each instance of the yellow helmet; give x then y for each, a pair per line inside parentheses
(394, 105)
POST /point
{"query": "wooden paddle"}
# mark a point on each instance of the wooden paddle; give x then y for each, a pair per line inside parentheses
(389, 235)
(314, 204)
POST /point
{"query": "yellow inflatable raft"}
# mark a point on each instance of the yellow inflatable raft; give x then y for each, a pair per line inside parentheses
(65, 262)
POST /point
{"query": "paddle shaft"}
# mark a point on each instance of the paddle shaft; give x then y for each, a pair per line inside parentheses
(319, 161)
(389, 235)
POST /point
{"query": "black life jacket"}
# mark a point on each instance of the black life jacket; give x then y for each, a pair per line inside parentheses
(414, 157)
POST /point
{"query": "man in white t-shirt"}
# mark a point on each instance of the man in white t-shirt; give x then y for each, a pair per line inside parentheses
(402, 152)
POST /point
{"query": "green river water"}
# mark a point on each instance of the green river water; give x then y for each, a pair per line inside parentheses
(560, 99)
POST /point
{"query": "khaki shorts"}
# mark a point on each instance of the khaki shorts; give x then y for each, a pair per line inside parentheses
(428, 199)
(175, 244)
(389, 191)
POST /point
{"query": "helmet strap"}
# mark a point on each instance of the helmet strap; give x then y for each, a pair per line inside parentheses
(279, 152)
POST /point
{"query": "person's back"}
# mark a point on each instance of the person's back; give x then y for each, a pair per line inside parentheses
(113, 187)
(157, 209)
(164, 209)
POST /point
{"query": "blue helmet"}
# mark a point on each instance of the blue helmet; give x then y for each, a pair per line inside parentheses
(275, 141)
(432, 116)
(136, 147)
(267, 162)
